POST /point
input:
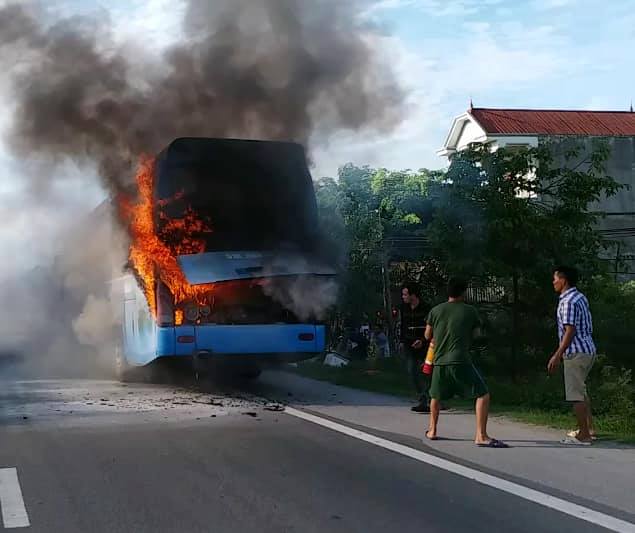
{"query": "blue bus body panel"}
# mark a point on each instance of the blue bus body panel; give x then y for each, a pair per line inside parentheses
(260, 339)
(233, 340)
(165, 341)
(145, 341)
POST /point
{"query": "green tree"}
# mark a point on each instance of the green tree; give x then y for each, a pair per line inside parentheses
(511, 216)
(372, 216)
(352, 228)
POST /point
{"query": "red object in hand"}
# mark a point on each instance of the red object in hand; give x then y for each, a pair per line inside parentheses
(427, 366)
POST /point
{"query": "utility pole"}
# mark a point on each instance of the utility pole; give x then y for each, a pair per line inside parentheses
(385, 278)
(385, 274)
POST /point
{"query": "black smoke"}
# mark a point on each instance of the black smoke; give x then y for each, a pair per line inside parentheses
(271, 69)
(296, 70)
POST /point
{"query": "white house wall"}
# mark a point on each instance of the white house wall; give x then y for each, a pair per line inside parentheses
(500, 141)
(470, 133)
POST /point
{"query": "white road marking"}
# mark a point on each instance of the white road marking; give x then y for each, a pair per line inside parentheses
(13, 510)
(541, 498)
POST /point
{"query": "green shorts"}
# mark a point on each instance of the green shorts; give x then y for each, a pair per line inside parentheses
(457, 380)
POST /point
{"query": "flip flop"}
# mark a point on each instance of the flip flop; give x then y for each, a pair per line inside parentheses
(431, 438)
(575, 432)
(572, 441)
(494, 443)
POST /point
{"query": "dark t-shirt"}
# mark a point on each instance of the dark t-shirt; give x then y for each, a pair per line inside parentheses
(453, 325)
(413, 323)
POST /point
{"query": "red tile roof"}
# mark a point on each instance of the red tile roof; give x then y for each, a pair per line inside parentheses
(556, 122)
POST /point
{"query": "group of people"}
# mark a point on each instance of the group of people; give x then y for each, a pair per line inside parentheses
(454, 325)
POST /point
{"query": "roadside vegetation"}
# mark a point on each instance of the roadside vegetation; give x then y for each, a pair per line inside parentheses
(536, 399)
(503, 220)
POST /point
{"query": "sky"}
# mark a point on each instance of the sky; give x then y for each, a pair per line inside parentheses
(568, 54)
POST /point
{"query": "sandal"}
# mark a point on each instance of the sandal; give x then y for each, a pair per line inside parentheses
(431, 438)
(493, 443)
(575, 432)
(573, 441)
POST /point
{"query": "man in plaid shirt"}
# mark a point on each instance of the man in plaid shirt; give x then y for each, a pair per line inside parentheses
(576, 349)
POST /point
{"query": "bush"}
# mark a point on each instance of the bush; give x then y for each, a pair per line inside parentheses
(539, 392)
(613, 392)
(613, 305)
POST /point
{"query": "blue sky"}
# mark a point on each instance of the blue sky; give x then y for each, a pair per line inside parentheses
(572, 54)
(556, 53)
(569, 54)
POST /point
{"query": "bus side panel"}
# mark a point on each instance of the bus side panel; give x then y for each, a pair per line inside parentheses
(140, 330)
(165, 341)
(185, 340)
(260, 339)
(320, 338)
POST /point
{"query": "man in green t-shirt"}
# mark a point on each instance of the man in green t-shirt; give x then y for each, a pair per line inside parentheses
(453, 326)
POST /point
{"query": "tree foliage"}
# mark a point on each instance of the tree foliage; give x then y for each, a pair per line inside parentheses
(373, 215)
(503, 218)
(503, 213)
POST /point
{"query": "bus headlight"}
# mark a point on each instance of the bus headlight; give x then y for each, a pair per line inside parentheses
(191, 312)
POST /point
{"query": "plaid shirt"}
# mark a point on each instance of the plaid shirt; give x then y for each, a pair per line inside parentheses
(573, 310)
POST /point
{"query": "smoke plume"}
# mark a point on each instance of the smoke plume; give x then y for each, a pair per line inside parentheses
(307, 297)
(274, 69)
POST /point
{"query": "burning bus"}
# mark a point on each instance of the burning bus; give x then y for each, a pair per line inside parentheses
(223, 261)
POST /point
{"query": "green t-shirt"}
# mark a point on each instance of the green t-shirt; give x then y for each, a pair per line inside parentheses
(453, 325)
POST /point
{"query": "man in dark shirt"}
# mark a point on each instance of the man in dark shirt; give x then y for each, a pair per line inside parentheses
(413, 344)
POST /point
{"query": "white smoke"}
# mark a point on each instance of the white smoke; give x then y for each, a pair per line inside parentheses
(309, 295)
(57, 316)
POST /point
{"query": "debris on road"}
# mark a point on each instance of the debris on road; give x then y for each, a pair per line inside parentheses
(92, 397)
(335, 359)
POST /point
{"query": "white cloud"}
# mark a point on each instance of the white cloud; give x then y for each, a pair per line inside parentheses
(504, 57)
(547, 5)
(482, 60)
(154, 24)
(438, 8)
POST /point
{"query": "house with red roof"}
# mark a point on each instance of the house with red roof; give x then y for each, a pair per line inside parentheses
(519, 128)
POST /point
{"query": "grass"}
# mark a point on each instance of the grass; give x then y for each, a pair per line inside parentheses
(536, 400)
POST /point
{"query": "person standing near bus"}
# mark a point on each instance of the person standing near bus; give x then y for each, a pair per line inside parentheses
(413, 344)
(453, 325)
(576, 350)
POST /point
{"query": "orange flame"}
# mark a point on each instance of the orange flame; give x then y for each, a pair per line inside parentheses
(151, 258)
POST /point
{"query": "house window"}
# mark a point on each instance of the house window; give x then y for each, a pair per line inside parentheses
(515, 147)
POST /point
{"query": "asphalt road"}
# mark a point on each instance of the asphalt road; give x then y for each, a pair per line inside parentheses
(103, 457)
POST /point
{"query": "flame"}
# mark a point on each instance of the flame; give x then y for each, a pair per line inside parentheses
(151, 258)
